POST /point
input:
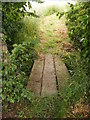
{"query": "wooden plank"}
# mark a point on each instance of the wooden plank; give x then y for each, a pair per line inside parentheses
(61, 72)
(35, 78)
(49, 80)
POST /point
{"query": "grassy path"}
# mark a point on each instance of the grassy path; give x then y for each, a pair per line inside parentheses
(53, 41)
(50, 72)
(53, 36)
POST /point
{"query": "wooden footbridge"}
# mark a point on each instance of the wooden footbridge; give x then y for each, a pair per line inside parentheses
(48, 75)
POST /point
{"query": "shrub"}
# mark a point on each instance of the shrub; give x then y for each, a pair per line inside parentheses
(76, 89)
(16, 72)
(77, 22)
(11, 20)
(78, 84)
(78, 27)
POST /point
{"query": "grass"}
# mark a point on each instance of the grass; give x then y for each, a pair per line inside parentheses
(54, 40)
(53, 35)
(29, 31)
(69, 98)
(44, 107)
(51, 10)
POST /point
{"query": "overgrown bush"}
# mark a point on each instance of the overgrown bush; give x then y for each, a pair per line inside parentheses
(12, 13)
(78, 85)
(16, 72)
(20, 34)
(78, 26)
(79, 80)
(75, 89)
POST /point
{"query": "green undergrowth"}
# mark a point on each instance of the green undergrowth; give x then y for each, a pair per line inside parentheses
(51, 10)
(79, 77)
(26, 30)
(17, 68)
(30, 29)
(61, 105)
(45, 107)
(16, 72)
(12, 23)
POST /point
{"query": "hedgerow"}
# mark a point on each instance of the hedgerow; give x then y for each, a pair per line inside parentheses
(12, 13)
(78, 27)
(77, 21)
(16, 72)
(20, 36)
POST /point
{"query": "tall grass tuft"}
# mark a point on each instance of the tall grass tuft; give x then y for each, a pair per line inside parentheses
(49, 10)
(29, 31)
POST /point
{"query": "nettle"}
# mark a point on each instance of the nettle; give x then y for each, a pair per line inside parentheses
(16, 72)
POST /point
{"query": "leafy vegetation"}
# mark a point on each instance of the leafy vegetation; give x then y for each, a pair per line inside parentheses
(78, 26)
(22, 39)
(21, 35)
(17, 75)
(51, 10)
(12, 13)
(78, 86)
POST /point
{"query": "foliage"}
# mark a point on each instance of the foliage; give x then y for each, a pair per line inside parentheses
(79, 79)
(77, 87)
(12, 13)
(16, 72)
(51, 10)
(29, 30)
(20, 33)
(78, 26)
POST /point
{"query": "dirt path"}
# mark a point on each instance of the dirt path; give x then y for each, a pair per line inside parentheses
(49, 72)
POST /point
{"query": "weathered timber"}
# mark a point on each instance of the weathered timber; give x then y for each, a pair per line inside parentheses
(48, 75)
(49, 80)
(61, 72)
(35, 77)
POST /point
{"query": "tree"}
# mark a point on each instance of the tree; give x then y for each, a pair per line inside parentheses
(12, 13)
